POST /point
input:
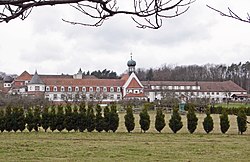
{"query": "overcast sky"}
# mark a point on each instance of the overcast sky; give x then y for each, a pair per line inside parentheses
(45, 43)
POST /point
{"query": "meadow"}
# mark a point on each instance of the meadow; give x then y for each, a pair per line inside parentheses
(123, 146)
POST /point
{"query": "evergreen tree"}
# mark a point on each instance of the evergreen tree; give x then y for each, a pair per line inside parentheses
(129, 119)
(113, 118)
(159, 120)
(75, 118)
(2, 120)
(144, 119)
(60, 118)
(90, 118)
(99, 119)
(52, 118)
(82, 121)
(37, 118)
(106, 119)
(192, 120)
(175, 122)
(241, 121)
(8, 119)
(29, 119)
(14, 119)
(21, 119)
(208, 123)
(68, 121)
(45, 120)
(224, 121)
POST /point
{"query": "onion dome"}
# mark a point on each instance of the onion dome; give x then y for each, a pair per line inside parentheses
(131, 62)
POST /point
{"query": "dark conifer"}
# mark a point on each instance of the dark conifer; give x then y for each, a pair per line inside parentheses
(175, 122)
(224, 121)
(14, 119)
(8, 119)
(75, 118)
(60, 118)
(192, 120)
(241, 121)
(52, 118)
(45, 120)
(208, 123)
(90, 118)
(106, 119)
(2, 120)
(82, 121)
(21, 119)
(29, 119)
(129, 119)
(68, 120)
(99, 119)
(144, 120)
(159, 120)
(37, 118)
(113, 118)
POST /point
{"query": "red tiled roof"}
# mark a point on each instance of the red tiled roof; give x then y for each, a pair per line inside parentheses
(24, 76)
(169, 83)
(134, 84)
(83, 82)
(220, 86)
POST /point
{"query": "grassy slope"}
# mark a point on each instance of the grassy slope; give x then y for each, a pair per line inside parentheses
(123, 146)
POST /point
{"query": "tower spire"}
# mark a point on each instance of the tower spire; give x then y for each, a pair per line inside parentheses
(131, 65)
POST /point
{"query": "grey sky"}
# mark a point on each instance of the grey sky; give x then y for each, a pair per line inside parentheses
(46, 43)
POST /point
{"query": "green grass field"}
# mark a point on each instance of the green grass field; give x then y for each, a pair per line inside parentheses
(122, 146)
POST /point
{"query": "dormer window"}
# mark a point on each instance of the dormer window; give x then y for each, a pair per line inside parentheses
(98, 89)
(111, 89)
(77, 89)
(47, 89)
(70, 89)
(90, 89)
(84, 89)
(118, 89)
(62, 89)
(104, 89)
(55, 89)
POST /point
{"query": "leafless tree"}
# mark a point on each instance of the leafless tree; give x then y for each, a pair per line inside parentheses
(232, 14)
(145, 13)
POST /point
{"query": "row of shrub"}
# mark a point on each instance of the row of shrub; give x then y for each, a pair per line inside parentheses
(79, 118)
(229, 110)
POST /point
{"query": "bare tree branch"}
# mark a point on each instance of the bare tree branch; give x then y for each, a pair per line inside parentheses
(232, 14)
(145, 13)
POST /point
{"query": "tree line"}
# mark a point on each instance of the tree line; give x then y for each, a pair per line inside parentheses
(238, 73)
(91, 117)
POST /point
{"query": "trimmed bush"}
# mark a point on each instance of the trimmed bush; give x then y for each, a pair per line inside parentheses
(144, 119)
(208, 123)
(192, 120)
(129, 119)
(175, 122)
(224, 122)
(242, 121)
(159, 120)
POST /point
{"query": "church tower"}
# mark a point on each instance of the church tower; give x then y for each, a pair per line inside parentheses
(131, 65)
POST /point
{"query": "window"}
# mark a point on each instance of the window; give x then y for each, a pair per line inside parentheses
(104, 89)
(63, 96)
(47, 88)
(97, 89)
(212, 93)
(118, 96)
(77, 96)
(104, 96)
(111, 96)
(37, 88)
(118, 89)
(84, 89)
(90, 89)
(69, 89)
(217, 93)
(170, 87)
(208, 93)
(77, 89)
(62, 89)
(54, 96)
(111, 89)
(55, 89)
